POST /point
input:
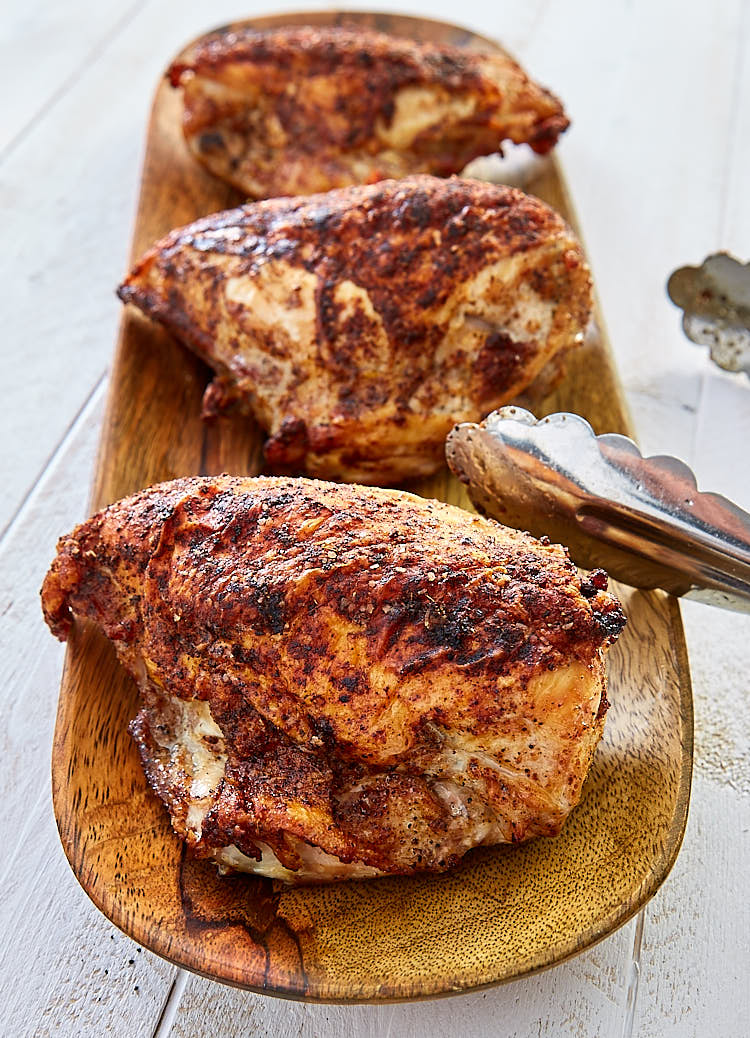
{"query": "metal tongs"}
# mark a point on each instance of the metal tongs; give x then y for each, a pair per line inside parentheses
(641, 519)
(715, 300)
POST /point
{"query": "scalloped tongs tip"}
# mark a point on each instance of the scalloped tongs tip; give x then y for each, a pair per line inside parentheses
(641, 519)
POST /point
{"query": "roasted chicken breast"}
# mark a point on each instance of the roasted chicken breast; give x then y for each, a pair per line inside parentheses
(341, 681)
(359, 326)
(298, 110)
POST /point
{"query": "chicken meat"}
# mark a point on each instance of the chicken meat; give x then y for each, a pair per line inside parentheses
(359, 326)
(297, 110)
(342, 681)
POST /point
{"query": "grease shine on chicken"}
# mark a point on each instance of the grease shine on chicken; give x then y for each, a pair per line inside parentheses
(341, 681)
(298, 110)
(359, 326)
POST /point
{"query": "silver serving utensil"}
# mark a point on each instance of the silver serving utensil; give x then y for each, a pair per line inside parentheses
(641, 519)
(715, 299)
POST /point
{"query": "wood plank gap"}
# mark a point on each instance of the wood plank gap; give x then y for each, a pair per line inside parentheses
(171, 1005)
(697, 431)
(70, 80)
(88, 405)
(390, 1022)
(537, 19)
(631, 997)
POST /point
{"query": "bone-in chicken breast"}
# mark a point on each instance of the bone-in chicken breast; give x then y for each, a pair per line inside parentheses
(298, 110)
(359, 326)
(341, 681)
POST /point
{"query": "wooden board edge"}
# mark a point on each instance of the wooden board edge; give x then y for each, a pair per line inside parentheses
(608, 926)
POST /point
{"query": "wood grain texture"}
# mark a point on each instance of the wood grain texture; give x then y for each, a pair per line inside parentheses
(505, 912)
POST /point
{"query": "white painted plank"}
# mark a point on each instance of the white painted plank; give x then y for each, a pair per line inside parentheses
(695, 955)
(582, 997)
(651, 91)
(42, 49)
(722, 435)
(735, 215)
(64, 969)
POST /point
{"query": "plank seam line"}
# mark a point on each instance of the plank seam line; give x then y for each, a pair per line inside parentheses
(699, 420)
(634, 976)
(89, 59)
(536, 21)
(390, 1022)
(80, 416)
(171, 1004)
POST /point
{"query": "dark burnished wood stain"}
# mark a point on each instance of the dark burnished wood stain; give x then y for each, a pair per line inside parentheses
(504, 912)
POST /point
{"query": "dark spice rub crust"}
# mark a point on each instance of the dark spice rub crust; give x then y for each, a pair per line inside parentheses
(303, 109)
(359, 326)
(378, 682)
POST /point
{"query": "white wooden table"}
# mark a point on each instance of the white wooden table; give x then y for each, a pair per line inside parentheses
(658, 160)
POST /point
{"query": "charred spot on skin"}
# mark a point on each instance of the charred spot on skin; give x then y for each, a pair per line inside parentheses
(248, 657)
(289, 445)
(271, 611)
(428, 298)
(211, 140)
(324, 732)
(415, 211)
(452, 630)
(221, 396)
(610, 621)
(596, 581)
(500, 360)
(547, 132)
(320, 217)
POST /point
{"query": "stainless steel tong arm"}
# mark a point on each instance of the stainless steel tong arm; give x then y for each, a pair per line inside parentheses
(641, 519)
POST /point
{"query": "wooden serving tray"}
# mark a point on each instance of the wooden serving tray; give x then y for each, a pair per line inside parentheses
(506, 911)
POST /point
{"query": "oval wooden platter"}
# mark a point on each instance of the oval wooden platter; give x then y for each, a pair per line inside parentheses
(505, 912)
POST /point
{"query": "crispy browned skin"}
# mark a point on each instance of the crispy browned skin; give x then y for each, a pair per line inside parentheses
(340, 680)
(298, 110)
(359, 326)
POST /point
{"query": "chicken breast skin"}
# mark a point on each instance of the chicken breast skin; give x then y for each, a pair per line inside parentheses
(360, 325)
(299, 110)
(342, 681)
